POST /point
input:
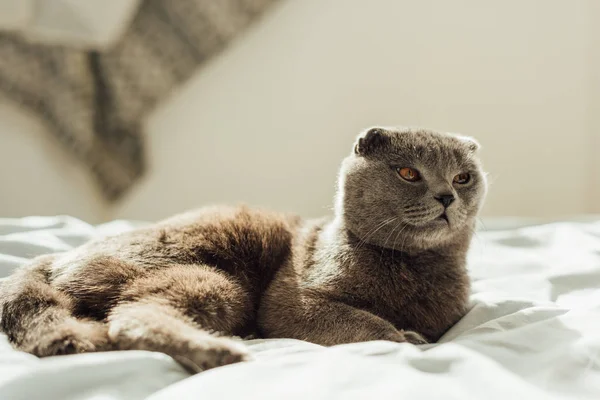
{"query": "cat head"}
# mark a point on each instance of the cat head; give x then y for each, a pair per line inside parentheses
(410, 187)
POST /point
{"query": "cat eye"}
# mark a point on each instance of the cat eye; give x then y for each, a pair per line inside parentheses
(461, 179)
(409, 174)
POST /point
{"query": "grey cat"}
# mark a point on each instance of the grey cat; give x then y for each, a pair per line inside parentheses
(389, 265)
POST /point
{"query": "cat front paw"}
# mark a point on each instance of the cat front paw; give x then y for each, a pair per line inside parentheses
(414, 338)
(211, 353)
(72, 337)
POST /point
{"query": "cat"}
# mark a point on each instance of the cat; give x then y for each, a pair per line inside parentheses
(390, 264)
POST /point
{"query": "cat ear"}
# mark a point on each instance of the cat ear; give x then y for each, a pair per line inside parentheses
(471, 143)
(370, 140)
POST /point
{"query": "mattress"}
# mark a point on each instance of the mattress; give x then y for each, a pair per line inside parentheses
(533, 331)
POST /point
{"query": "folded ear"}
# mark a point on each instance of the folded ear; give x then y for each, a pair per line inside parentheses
(370, 140)
(471, 143)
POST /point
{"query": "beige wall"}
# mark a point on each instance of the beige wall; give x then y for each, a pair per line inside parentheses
(268, 122)
(594, 106)
(36, 176)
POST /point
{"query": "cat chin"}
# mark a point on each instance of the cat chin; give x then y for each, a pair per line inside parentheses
(426, 235)
(445, 222)
(441, 223)
(437, 231)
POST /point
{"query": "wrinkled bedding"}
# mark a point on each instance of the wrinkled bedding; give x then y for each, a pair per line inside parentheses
(533, 332)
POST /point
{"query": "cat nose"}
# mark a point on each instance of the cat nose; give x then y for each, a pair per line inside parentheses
(445, 199)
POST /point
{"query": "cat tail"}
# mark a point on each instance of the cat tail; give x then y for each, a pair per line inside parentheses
(38, 319)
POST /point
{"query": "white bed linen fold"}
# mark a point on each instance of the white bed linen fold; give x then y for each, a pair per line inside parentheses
(533, 332)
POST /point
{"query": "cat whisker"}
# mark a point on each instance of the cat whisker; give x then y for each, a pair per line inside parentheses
(395, 239)
(482, 223)
(386, 240)
(368, 236)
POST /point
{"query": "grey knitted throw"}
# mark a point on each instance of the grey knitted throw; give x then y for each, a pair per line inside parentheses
(94, 103)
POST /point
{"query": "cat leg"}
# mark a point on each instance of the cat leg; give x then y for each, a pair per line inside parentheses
(315, 318)
(176, 310)
(38, 319)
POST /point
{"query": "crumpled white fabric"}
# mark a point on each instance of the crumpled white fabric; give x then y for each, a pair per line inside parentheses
(90, 24)
(533, 332)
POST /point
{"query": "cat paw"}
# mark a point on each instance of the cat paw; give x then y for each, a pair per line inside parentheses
(212, 353)
(71, 338)
(414, 338)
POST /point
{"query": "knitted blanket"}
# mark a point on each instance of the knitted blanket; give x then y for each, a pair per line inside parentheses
(95, 102)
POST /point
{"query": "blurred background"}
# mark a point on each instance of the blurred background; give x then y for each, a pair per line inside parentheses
(276, 92)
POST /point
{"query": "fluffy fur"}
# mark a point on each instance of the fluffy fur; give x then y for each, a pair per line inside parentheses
(389, 265)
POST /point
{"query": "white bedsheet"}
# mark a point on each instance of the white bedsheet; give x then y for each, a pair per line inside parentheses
(533, 333)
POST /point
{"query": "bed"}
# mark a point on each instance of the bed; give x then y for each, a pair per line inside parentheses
(533, 332)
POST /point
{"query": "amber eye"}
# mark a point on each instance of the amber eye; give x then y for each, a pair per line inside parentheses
(461, 179)
(409, 174)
